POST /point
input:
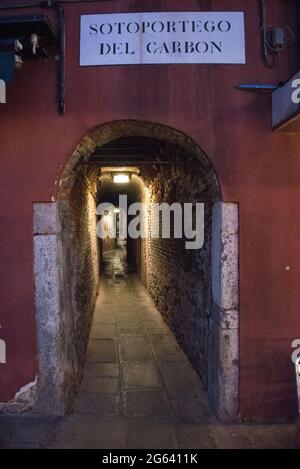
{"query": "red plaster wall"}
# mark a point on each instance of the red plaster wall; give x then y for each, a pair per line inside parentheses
(256, 167)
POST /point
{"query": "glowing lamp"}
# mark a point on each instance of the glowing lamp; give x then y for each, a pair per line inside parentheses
(121, 178)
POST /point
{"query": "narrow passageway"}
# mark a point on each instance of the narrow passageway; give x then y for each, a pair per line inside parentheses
(137, 381)
(136, 387)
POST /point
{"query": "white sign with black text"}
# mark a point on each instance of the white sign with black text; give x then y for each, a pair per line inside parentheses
(162, 38)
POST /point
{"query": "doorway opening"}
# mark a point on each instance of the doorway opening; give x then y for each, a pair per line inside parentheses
(194, 290)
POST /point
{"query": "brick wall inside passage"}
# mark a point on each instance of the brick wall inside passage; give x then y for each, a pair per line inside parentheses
(179, 280)
(81, 274)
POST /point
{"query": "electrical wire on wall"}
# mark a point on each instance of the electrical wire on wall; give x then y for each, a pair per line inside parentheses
(45, 3)
(275, 38)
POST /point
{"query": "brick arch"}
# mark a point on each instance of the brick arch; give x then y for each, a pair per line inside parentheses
(110, 131)
(56, 385)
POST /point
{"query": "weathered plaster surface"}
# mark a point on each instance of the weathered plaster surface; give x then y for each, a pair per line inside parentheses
(24, 400)
(224, 320)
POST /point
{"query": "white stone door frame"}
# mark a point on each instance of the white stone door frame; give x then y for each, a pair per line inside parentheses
(223, 373)
(223, 379)
(49, 309)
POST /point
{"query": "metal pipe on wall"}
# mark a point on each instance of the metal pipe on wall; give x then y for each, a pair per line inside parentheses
(62, 47)
(263, 13)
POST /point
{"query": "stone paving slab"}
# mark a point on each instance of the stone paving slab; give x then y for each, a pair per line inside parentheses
(156, 337)
(181, 381)
(152, 403)
(102, 351)
(130, 328)
(136, 352)
(102, 385)
(194, 436)
(97, 404)
(102, 320)
(167, 352)
(103, 431)
(151, 435)
(196, 410)
(141, 375)
(104, 331)
(131, 339)
(102, 370)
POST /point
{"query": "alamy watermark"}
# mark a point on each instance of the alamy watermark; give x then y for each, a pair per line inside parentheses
(296, 361)
(2, 92)
(2, 351)
(296, 91)
(139, 220)
(296, 353)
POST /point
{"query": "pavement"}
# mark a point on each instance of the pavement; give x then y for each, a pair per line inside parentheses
(139, 389)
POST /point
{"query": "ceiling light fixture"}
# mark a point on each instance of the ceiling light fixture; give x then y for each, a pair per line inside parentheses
(121, 178)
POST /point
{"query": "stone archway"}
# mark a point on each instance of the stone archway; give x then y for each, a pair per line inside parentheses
(59, 363)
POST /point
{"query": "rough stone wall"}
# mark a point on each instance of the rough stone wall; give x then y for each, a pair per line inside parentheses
(80, 277)
(179, 280)
(108, 244)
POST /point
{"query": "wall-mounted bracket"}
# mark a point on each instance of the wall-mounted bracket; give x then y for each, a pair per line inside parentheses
(257, 88)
